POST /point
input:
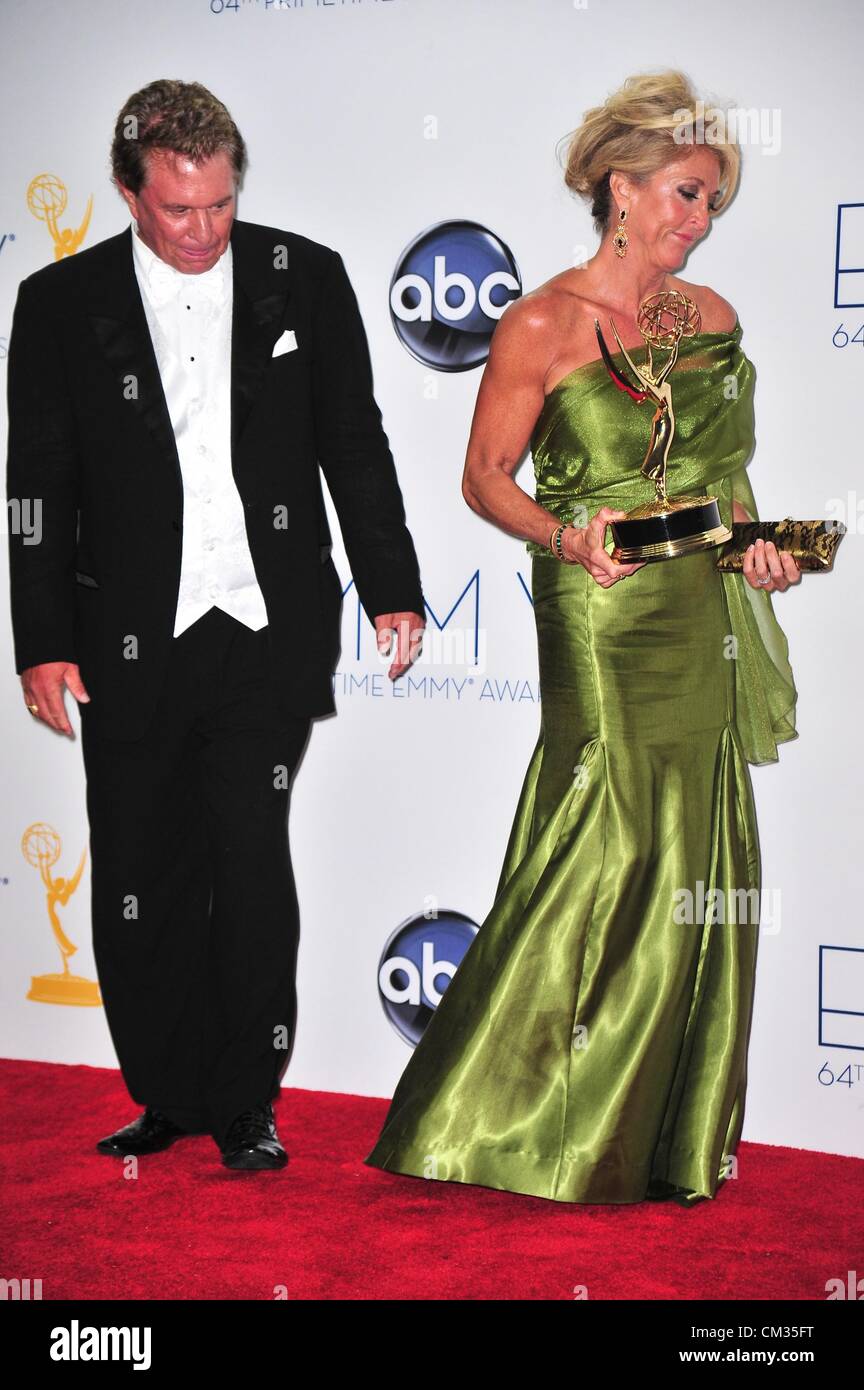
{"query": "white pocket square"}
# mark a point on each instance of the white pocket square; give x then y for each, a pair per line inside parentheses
(287, 343)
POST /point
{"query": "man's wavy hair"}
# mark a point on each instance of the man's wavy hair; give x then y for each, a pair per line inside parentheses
(182, 117)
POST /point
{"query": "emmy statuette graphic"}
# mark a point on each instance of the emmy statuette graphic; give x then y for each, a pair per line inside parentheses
(40, 845)
(47, 199)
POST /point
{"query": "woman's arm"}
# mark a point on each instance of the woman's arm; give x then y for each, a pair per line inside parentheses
(509, 401)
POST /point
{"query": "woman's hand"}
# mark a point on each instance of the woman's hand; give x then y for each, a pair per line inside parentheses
(766, 567)
(586, 544)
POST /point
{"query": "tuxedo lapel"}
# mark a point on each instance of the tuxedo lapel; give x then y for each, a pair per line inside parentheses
(117, 317)
(258, 313)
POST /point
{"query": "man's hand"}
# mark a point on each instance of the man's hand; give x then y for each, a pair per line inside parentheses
(45, 687)
(399, 635)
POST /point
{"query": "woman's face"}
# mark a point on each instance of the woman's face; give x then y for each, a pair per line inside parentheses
(671, 212)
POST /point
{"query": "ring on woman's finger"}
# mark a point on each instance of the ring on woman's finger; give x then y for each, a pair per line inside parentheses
(34, 709)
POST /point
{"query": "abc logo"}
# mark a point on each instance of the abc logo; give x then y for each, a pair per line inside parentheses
(417, 964)
(449, 290)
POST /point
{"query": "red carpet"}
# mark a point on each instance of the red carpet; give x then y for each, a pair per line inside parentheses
(327, 1227)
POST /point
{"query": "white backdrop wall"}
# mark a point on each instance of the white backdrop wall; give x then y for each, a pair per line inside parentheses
(367, 123)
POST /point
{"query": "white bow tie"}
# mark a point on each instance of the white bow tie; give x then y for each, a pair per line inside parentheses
(165, 283)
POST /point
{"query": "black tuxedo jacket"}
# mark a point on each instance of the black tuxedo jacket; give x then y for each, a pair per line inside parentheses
(92, 450)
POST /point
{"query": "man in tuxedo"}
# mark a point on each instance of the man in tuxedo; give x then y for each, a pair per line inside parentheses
(173, 393)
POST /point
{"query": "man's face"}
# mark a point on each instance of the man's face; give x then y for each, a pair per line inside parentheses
(185, 211)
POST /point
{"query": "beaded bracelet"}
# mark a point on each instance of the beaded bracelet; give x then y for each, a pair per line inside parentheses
(556, 547)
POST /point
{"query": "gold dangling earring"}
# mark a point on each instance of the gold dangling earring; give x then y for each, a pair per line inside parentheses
(620, 240)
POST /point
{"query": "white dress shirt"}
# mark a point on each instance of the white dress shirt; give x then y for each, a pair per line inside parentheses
(190, 324)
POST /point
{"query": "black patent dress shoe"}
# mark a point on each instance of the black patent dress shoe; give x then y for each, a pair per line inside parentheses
(149, 1134)
(252, 1142)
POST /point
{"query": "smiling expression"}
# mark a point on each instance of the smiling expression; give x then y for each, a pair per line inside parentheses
(672, 210)
(185, 210)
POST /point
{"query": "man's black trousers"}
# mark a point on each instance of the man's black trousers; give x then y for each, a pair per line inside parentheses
(195, 923)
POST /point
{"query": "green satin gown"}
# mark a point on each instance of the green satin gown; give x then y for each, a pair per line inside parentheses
(592, 1046)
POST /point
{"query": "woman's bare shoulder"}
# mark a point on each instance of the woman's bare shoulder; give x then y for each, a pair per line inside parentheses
(716, 313)
(544, 310)
(545, 322)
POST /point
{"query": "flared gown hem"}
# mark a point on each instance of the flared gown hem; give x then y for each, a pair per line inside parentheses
(493, 1174)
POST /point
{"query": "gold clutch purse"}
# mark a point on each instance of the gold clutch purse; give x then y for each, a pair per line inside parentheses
(812, 544)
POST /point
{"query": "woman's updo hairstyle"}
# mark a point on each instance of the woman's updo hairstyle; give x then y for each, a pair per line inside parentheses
(633, 133)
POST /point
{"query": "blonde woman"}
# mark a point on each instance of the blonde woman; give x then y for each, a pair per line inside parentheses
(592, 1046)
